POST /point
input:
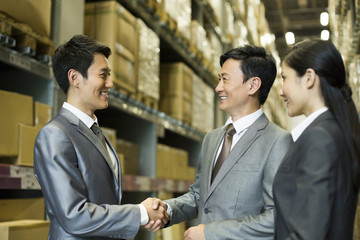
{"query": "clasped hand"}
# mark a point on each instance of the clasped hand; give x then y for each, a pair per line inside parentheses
(158, 216)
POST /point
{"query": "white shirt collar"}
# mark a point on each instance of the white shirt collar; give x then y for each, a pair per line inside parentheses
(299, 129)
(81, 115)
(244, 122)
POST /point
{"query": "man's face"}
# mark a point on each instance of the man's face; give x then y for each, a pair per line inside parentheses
(94, 90)
(233, 93)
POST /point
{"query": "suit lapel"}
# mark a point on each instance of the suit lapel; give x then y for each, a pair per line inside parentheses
(252, 133)
(84, 130)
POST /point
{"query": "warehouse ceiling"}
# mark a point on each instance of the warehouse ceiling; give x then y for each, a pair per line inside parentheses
(302, 17)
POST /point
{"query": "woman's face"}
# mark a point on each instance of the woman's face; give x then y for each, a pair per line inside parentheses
(293, 91)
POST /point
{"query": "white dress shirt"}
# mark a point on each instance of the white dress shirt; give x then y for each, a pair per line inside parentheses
(240, 125)
(299, 129)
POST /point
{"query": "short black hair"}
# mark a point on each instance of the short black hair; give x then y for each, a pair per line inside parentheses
(255, 62)
(77, 53)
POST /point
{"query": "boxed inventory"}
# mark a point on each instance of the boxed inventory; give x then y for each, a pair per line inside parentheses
(18, 109)
(24, 229)
(130, 151)
(35, 13)
(176, 91)
(111, 24)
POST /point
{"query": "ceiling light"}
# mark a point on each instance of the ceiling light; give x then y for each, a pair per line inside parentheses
(290, 38)
(325, 34)
(324, 18)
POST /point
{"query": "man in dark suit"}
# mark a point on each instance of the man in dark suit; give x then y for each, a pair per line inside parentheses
(237, 201)
(77, 168)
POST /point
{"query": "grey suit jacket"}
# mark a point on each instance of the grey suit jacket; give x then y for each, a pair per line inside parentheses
(313, 191)
(239, 203)
(81, 192)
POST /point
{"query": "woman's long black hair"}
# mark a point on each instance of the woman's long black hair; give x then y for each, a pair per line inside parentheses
(324, 58)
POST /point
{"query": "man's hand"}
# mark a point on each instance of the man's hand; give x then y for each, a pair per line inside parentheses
(158, 216)
(195, 233)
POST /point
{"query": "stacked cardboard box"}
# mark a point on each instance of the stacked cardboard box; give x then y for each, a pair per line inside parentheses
(130, 153)
(203, 105)
(24, 229)
(176, 91)
(148, 81)
(35, 13)
(172, 163)
(22, 208)
(19, 132)
(112, 24)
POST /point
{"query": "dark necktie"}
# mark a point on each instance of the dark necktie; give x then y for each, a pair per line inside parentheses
(95, 128)
(230, 131)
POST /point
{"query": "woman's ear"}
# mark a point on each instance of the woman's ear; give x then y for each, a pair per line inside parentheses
(310, 76)
(255, 84)
(73, 77)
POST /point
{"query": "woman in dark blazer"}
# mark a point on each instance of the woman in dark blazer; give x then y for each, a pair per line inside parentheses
(315, 188)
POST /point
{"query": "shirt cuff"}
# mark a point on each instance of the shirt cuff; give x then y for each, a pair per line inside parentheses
(169, 209)
(144, 216)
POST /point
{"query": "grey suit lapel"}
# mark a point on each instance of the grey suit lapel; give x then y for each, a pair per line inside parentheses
(83, 129)
(239, 149)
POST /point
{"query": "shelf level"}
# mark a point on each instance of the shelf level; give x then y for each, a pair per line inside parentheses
(14, 58)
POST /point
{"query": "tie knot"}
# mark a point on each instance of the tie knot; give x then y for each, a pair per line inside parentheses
(95, 128)
(230, 129)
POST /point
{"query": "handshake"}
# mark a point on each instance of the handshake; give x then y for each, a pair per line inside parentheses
(157, 212)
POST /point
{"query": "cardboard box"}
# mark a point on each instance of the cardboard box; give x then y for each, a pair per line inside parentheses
(163, 160)
(176, 91)
(42, 113)
(35, 13)
(22, 208)
(130, 151)
(24, 229)
(27, 137)
(111, 24)
(16, 108)
(110, 133)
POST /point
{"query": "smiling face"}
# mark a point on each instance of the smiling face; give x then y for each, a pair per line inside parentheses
(233, 92)
(93, 91)
(293, 91)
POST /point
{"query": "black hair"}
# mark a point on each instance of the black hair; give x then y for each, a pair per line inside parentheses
(255, 62)
(323, 57)
(77, 53)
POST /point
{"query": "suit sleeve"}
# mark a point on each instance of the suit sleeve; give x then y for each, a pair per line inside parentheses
(57, 170)
(315, 186)
(259, 226)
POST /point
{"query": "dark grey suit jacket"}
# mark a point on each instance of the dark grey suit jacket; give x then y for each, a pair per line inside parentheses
(81, 192)
(314, 197)
(239, 203)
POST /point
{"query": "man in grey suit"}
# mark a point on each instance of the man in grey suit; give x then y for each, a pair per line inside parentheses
(77, 168)
(237, 202)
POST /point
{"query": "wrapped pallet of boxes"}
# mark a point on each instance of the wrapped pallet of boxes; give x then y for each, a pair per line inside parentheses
(148, 67)
(24, 229)
(180, 11)
(111, 24)
(198, 103)
(209, 108)
(176, 91)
